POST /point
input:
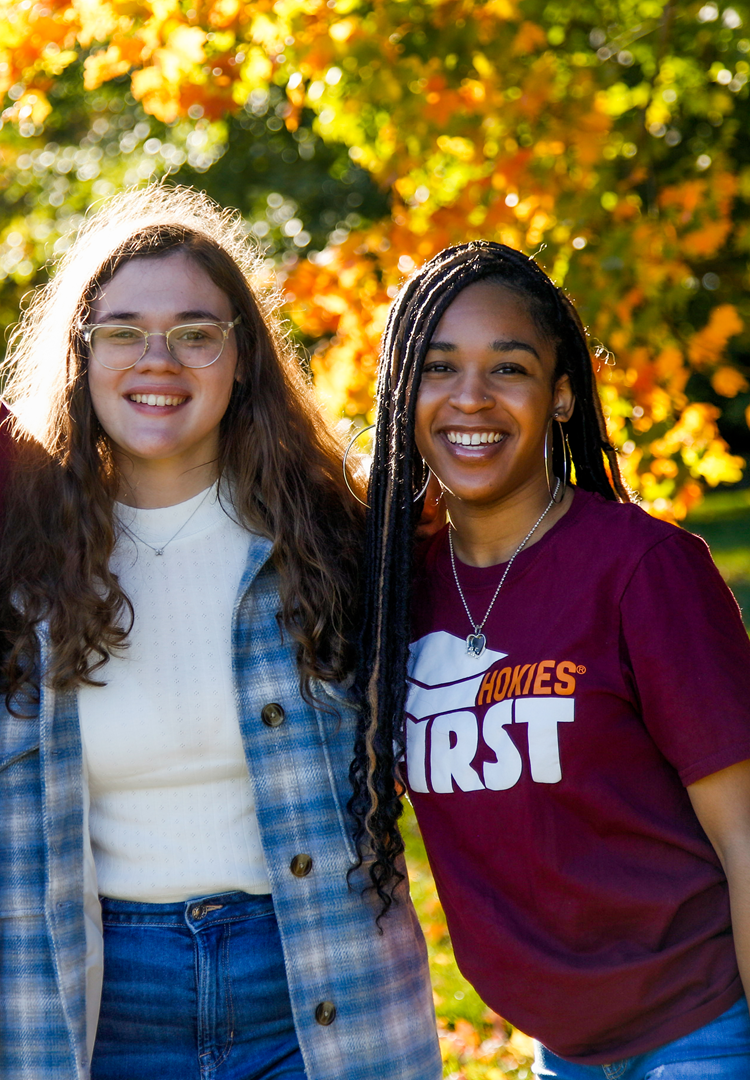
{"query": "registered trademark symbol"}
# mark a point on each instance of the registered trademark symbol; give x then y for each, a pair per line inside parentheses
(581, 669)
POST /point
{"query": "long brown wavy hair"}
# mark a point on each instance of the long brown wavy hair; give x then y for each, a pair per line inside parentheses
(284, 463)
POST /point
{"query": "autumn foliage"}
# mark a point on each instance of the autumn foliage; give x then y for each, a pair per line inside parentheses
(605, 136)
(359, 137)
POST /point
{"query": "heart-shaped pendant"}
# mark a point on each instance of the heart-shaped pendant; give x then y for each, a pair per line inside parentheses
(475, 644)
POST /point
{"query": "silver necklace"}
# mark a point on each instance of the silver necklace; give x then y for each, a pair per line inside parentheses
(160, 550)
(476, 641)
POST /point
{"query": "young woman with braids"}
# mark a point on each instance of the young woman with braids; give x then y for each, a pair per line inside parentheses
(178, 563)
(576, 720)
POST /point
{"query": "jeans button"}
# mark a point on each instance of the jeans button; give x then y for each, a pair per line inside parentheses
(197, 912)
(325, 1013)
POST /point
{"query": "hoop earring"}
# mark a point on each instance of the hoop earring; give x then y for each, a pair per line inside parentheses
(346, 477)
(556, 493)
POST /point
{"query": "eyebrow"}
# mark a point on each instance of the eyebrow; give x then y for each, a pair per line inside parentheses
(501, 346)
(182, 316)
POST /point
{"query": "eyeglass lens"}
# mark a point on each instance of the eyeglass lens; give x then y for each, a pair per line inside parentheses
(193, 345)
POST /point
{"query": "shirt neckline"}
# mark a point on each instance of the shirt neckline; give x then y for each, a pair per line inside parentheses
(156, 525)
(482, 578)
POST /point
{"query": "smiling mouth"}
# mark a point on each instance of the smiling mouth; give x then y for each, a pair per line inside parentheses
(159, 401)
(477, 438)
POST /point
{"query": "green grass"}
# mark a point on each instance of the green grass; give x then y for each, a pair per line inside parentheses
(723, 520)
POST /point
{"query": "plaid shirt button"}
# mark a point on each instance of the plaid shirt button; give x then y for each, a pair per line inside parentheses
(272, 715)
(325, 1013)
(301, 865)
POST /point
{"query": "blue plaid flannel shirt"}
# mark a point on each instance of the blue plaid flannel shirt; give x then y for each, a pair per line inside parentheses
(384, 1025)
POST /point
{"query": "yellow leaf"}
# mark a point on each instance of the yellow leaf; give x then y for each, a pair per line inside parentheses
(463, 149)
(521, 1043)
(717, 466)
(257, 69)
(331, 302)
(483, 65)
(501, 9)
(156, 94)
(34, 105)
(97, 20)
(223, 12)
(102, 66)
(187, 43)
(341, 31)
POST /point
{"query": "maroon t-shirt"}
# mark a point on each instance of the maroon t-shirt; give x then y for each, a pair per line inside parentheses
(548, 775)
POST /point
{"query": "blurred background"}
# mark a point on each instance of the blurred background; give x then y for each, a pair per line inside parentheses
(358, 137)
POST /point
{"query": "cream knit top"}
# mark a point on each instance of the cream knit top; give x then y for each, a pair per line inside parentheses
(171, 814)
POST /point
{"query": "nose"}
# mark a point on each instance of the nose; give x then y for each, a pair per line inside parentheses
(157, 356)
(472, 393)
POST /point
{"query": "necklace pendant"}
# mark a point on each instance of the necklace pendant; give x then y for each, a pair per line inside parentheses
(158, 551)
(475, 644)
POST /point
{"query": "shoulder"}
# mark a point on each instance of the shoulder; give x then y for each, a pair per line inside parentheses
(626, 533)
(627, 519)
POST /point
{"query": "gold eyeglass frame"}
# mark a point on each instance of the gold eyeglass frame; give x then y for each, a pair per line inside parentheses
(225, 327)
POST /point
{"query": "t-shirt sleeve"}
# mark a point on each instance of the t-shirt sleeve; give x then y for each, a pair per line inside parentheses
(687, 655)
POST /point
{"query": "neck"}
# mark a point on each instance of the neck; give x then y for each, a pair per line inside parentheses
(149, 485)
(487, 535)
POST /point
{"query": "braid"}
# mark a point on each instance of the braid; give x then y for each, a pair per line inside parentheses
(398, 474)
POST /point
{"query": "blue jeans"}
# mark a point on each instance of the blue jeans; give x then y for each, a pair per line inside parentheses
(718, 1051)
(195, 991)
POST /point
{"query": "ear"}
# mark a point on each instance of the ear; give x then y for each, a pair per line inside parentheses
(563, 398)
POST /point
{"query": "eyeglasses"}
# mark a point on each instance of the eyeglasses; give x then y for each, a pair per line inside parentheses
(194, 345)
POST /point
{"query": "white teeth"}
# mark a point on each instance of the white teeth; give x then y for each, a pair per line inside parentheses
(156, 400)
(478, 438)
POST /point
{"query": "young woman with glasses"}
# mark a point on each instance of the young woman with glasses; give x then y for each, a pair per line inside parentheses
(180, 893)
(569, 680)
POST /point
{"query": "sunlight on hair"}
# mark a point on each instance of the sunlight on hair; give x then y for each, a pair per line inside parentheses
(41, 354)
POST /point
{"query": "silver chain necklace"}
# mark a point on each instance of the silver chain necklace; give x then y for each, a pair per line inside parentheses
(160, 550)
(476, 641)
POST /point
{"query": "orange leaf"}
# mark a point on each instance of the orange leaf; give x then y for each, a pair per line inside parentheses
(706, 241)
(728, 381)
(708, 344)
(529, 38)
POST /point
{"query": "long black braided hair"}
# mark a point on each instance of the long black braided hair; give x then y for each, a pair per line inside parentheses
(398, 474)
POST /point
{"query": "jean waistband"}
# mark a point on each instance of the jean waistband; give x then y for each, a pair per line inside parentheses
(198, 911)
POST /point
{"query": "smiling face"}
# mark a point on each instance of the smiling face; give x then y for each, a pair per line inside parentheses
(486, 397)
(160, 416)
